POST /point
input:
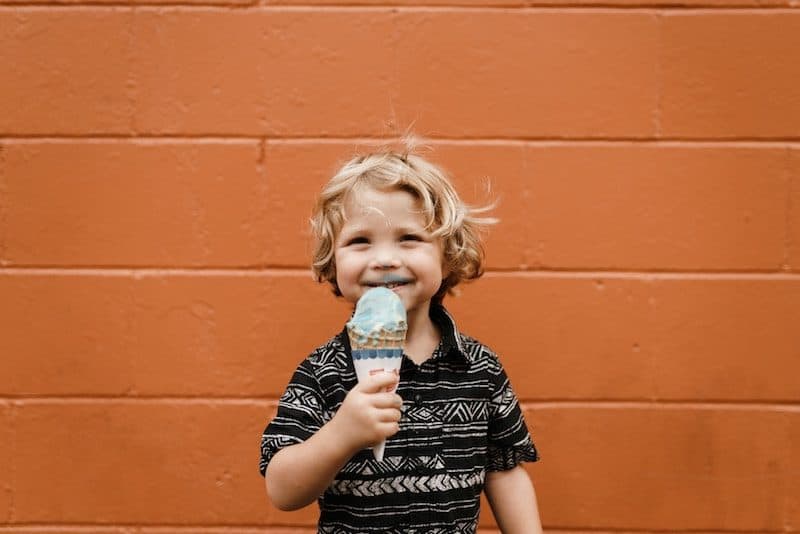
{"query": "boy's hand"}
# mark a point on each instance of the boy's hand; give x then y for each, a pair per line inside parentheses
(369, 413)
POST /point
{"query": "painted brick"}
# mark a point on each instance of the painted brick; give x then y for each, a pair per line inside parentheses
(528, 74)
(633, 468)
(237, 3)
(6, 458)
(263, 71)
(702, 461)
(304, 80)
(636, 207)
(722, 339)
(581, 206)
(668, 207)
(199, 71)
(542, 3)
(296, 173)
(793, 228)
(575, 337)
(146, 462)
(717, 84)
(134, 203)
(65, 529)
(56, 79)
(225, 335)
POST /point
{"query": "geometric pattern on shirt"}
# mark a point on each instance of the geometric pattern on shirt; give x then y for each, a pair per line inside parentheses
(463, 412)
(465, 527)
(460, 420)
(406, 484)
(393, 464)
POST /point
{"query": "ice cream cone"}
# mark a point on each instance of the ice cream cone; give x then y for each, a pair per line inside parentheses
(377, 332)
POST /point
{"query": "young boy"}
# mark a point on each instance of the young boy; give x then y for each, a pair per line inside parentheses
(454, 426)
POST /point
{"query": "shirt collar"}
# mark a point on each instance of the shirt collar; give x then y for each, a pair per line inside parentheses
(451, 339)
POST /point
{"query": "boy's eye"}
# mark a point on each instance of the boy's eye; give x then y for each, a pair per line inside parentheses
(357, 241)
(410, 237)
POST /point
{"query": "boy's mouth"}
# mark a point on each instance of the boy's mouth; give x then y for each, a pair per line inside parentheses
(392, 282)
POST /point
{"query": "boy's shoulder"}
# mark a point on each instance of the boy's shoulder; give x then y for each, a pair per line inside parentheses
(331, 353)
(475, 350)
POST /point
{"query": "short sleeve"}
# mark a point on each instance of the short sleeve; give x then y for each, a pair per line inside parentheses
(300, 415)
(509, 441)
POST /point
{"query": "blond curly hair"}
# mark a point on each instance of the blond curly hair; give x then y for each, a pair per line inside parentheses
(458, 225)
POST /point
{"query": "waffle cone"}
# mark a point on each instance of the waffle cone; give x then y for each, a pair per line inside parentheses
(383, 339)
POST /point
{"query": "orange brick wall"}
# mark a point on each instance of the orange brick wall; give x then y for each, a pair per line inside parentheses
(158, 161)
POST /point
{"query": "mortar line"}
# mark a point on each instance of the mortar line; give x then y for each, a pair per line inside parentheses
(260, 527)
(788, 241)
(272, 400)
(534, 7)
(268, 271)
(545, 141)
(11, 514)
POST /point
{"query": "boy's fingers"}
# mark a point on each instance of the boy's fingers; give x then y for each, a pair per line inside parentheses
(388, 400)
(389, 416)
(389, 429)
(378, 382)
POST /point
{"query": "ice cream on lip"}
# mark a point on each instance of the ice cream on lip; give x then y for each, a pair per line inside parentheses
(387, 279)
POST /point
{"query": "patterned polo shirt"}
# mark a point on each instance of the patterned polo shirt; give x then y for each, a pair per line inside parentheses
(460, 419)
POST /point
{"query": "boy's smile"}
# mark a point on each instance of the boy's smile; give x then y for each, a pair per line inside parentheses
(390, 281)
(384, 242)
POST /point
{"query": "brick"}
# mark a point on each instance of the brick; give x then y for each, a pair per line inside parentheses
(199, 71)
(161, 529)
(304, 82)
(56, 78)
(237, 3)
(542, 3)
(528, 74)
(263, 72)
(716, 84)
(184, 335)
(659, 207)
(639, 337)
(6, 459)
(218, 208)
(704, 461)
(636, 207)
(232, 335)
(635, 467)
(134, 204)
(793, 225)
(180, 462)
(296, 173)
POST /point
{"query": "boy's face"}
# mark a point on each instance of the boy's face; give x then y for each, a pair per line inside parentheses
(384, 242)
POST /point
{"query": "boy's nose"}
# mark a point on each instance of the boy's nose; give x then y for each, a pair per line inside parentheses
(385, 258)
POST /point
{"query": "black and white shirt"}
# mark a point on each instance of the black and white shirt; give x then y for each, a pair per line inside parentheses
(460, 419)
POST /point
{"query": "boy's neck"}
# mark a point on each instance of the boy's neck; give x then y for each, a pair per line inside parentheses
(422, 337)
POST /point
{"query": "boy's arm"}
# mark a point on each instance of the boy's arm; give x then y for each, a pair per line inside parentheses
(513, 501)
(297, 475)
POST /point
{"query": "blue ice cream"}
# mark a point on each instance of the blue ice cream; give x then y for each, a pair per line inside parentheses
(379, 320)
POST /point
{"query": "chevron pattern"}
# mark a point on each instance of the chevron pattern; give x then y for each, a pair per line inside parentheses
(464, 412)
(393, 465)
(405, 484)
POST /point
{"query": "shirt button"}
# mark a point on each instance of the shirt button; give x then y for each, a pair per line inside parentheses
(417, 398)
